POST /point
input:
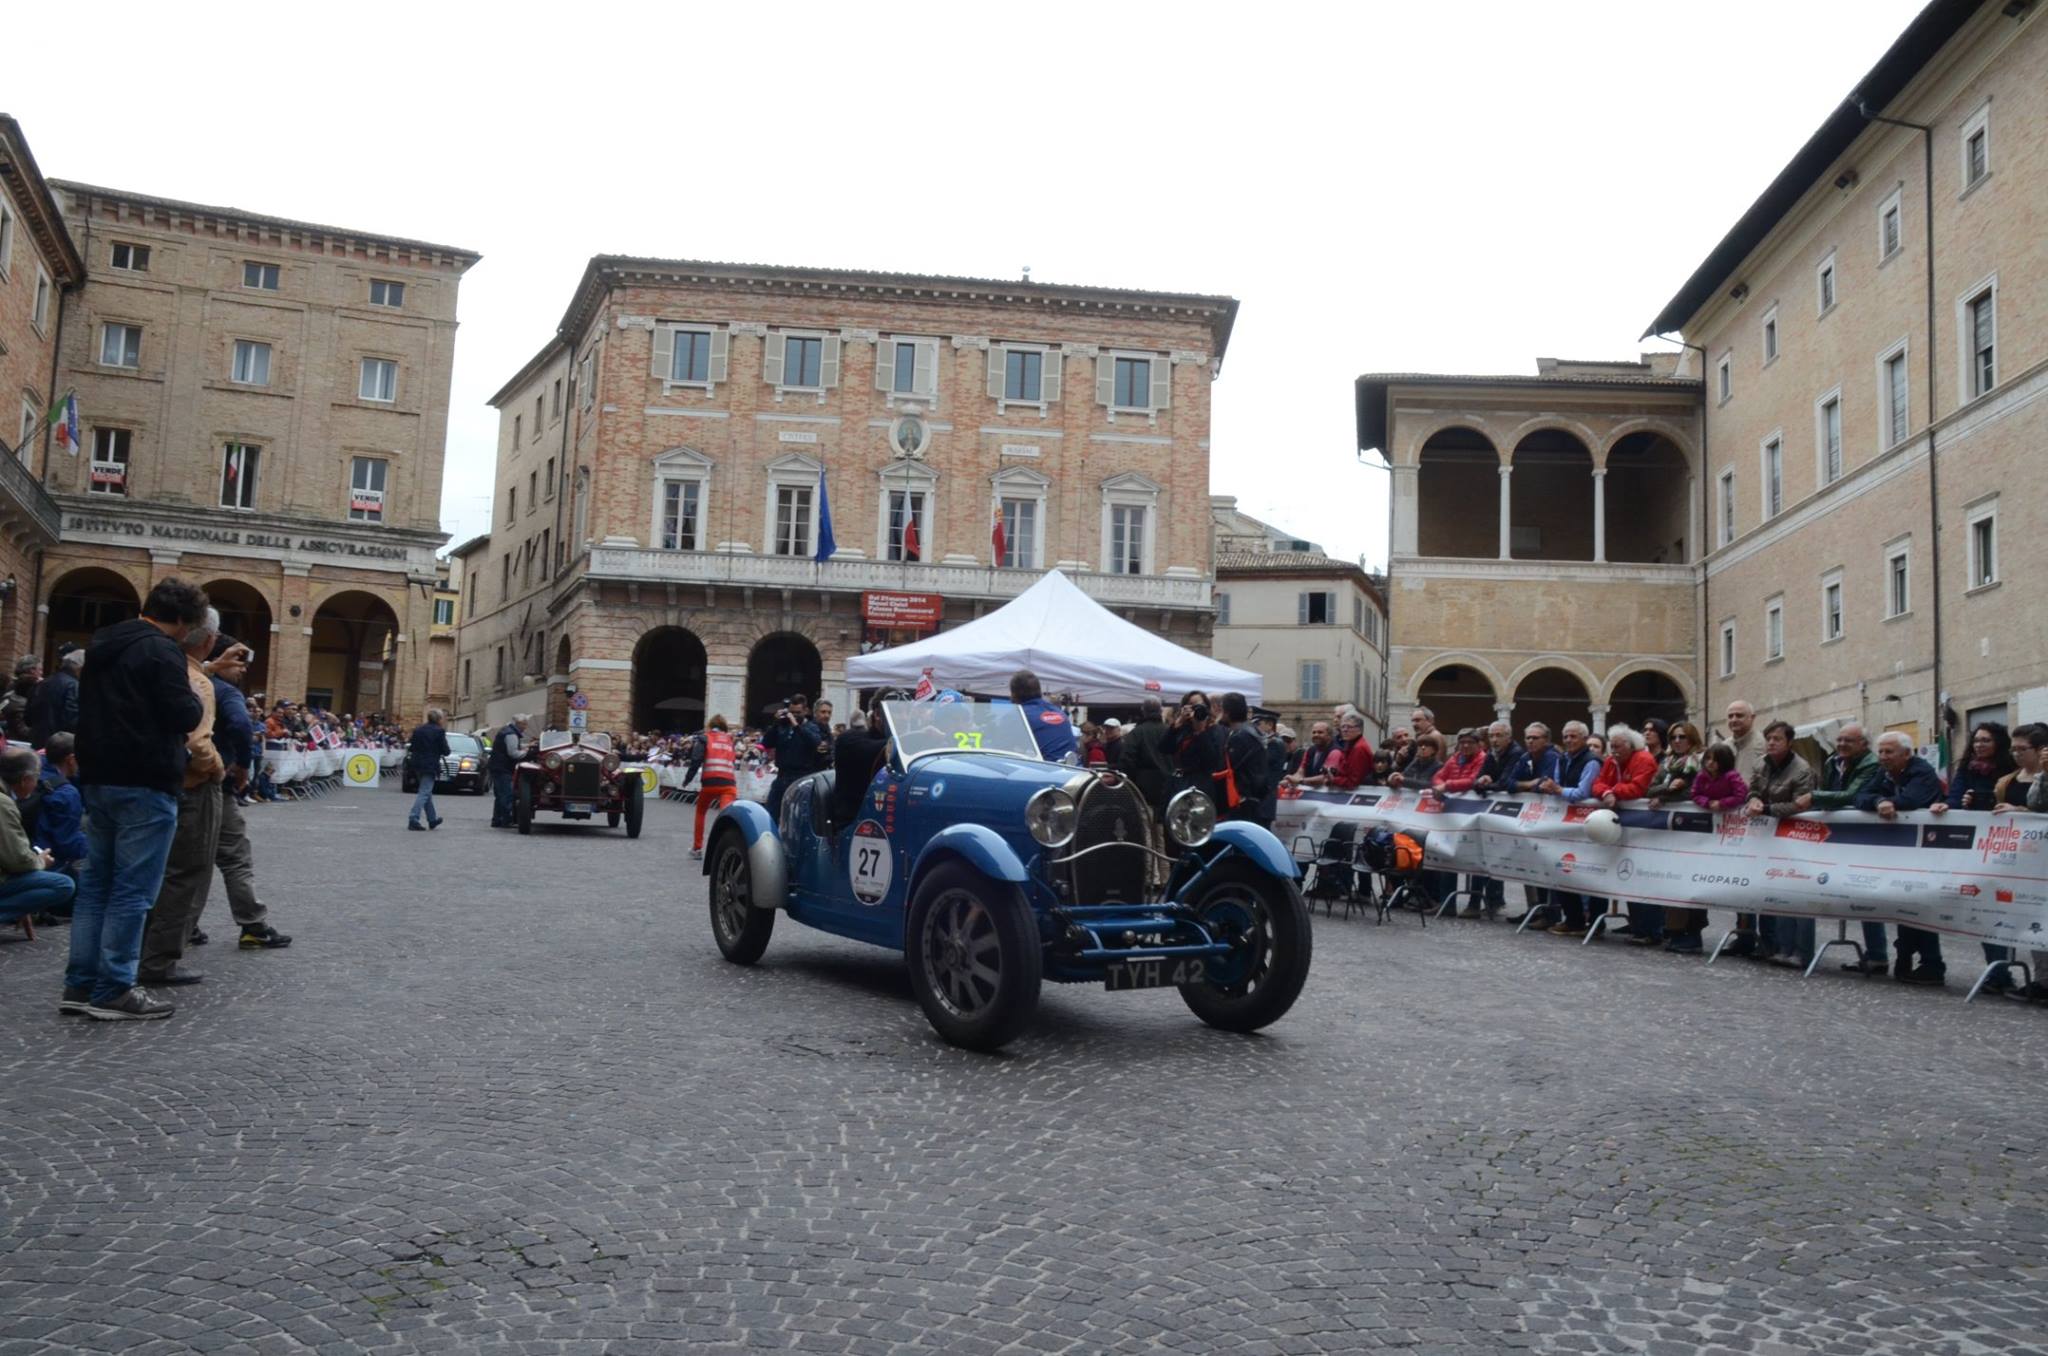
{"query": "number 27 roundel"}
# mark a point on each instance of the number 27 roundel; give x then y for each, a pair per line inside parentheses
(870, 862)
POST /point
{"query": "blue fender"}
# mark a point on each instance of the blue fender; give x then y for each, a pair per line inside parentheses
(752, 819)
(982, 847)
(1259, 844)
(765, 864)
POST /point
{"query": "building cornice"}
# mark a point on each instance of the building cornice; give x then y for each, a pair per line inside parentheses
(100, 520)
(40, 210)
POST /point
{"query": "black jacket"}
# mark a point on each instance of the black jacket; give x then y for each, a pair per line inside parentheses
(428, 747)
(53, 708)
(855, 759)
(1245, 754)
(135, 708)
(501, 749)
(1141, 755)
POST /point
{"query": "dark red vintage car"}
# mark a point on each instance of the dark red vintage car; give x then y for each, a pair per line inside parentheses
(577, 774)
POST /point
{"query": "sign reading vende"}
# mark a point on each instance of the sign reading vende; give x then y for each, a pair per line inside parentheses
(902, 611)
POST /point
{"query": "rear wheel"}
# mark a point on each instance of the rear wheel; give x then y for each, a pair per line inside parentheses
(1263, 915)
(522, 806)
(740, 929)
(636, 808)
(975, 963)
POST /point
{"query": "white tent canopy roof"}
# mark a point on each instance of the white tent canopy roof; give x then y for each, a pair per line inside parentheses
(1073, 643)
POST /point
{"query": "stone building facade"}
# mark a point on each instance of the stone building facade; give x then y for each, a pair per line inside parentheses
(1312, 626)
(39, 269)
(1875, 505)
(264, 405)
(663, 463)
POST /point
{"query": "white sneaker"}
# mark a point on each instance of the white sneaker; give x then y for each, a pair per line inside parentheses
(696, 854)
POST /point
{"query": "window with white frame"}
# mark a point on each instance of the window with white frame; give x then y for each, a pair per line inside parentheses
(801, 361)
(907, 532)
(1357, 613)
(387, 293)
(1891, 224)
(1824, 284)
(1773, 454)
(1222, 607)
(586, 378)
(1727, 507)
(1976, 148)
(238, 466)
(1311, 680)
(444, 615)
(1028, 376)
(537, 408)
(555, 407)
(1728, 649)
(128, 258)
(1128, 504)
(261, 277)
(1133, 383)
(251, 366)
(121, 346)
(793, 506)
(111, 450)
(31, 424)
(1770, 336)
(6, 241)
(691, 355)
(1894, 399)
(39, 312)
(1827, 431)
(379, 380)
(1983, 543)
(1979, 330)
(907, 367)
(1832, 623)
(1774, 628)
(366, 479)
(1020, 498)
(1316, 608)
(1724, 377)
(1898, 579)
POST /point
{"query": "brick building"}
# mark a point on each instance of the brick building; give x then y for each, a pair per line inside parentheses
(658, 487)
(264, 405)
(39, 268)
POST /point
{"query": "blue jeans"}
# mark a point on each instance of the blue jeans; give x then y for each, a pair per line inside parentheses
(501, 799)
(1873, 943)
(128, 831)
(424, 801)
(33, 892)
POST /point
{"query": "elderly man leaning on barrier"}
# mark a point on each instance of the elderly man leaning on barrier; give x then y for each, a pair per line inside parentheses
(1628, 774)
(1578, 769)
(1782, 783)
(1538, 765)
(1905, 781)
(1842, 779)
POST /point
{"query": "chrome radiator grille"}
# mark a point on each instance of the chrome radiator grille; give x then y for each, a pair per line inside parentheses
(1110, 812)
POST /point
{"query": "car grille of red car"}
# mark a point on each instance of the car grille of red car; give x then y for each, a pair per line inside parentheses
(1110, 812)
(580, 779)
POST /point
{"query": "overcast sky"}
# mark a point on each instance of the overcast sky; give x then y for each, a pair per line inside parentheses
(1385, 187)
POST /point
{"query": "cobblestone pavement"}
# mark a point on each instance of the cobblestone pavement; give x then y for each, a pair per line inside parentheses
(503, 1096)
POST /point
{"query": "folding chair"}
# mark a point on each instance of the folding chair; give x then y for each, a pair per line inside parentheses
(1332, 866)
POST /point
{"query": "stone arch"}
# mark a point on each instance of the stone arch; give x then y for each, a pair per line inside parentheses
(783, 662)
(1459, 694)
(1551, 494)
(668, 688)
(1577, 669)
(246, 615)
(1660, 667)
(353, 654)
(1463, 658)
(1553, 693)
(1550, 423)
(81, 601)
(1648, 485)
(1663, 428)
(1457, 494)
(1411, 453)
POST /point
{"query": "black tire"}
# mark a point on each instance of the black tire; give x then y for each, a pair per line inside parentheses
(480, 787)
(522, 807)
(960, 920)
(636, 806)
(740, 929)
(1255, 986)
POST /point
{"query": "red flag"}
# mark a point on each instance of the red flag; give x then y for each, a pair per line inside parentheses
(996, 538)
(910, 551)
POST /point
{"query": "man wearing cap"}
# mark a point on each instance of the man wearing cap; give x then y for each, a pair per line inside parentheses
(55, 704)
(1112, 740)
(28, 675)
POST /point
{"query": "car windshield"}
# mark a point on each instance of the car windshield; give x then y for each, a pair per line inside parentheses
(555, 739)
(959, 727)
(464, 746)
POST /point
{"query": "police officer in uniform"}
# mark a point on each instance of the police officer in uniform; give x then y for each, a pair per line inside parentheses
(506, 751)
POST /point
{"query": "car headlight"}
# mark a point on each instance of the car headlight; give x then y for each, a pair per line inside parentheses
(1050, 815)
(553, 762)
(1191, 818)
(469, 765)
(611, 765)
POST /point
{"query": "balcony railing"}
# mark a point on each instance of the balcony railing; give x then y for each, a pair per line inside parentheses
(27, 497)
(641, 566)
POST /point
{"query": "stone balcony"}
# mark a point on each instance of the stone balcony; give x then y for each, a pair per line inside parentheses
(26, 508)
(637, 565)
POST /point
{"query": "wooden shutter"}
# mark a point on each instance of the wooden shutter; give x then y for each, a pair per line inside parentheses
(885, 365)
(1162, 383)
(1049, 376)
(1105, 380)
(828, 362)
(664, 351)
(1301, 609)
(924, 369)
(771, 359)
(998, 371)
(720, 342)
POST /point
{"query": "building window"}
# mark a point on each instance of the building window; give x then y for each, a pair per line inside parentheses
(1983, 539)
(1828, 432)
(1773, 476)
(1127, 539)
(252, 363)
(1898, 580)
(1770, 336)
(792, 520)
(691, 358)
(366, 489)
(532, 491)
(586, 381)
(1023, 374)
(1831, 622)
(1724, 377)
(1133, 384)
(110, 451)
(1976, 148)
(690, 355)
(1020, 500)
(1774, 629)
(261, 277)
(31, 424)
(518, 431)
(121, 346)
(555, 409)
(1893, 392)
(511, 504)
(465, 677)
(1824, 284)
(6, 241)
(1727, 649)
(1315, 609)
(505, 593)
(39, 313)
(804, 362)
(238, 475)
(679, 509)
(1890, 225)
(547, 479)
(129, 258)
(444, 615)
(1311, 680)
(501, 649)
(537, 420)
(1222, 608)
(1727, 507)
(908, 525)
(1980, 342)
(384, 293)
(379, 380)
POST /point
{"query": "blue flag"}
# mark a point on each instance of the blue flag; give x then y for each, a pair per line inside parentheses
(826, 546)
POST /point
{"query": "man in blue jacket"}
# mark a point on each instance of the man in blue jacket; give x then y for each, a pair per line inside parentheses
(241, 752)
(1905, 781)
(60, 820)
(1578, 769)
(1050, 728)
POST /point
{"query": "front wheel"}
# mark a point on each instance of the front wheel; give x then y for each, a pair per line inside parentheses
(1266, 920)
(740, 929)
(636, 808)
(975, 964)
(522, 806)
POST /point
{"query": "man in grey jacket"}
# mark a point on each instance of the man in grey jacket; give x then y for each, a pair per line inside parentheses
(1782, 787)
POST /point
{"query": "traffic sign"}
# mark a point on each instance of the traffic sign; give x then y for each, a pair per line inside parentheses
(579, 702)
(579, 720)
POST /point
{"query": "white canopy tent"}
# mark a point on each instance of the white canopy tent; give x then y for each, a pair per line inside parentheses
(1073, 643)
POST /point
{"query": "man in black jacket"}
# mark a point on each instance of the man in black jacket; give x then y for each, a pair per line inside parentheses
(1240, 778)
(1142, 756)
(55, 705)
(428, 747)
(506, 750)
(136, 705)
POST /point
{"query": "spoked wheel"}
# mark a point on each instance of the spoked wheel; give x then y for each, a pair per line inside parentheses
(740, 929)
(1265, 919)
(636, 807)
(974, 956)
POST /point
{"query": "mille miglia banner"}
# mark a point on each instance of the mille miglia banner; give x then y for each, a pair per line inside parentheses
(1972, 874)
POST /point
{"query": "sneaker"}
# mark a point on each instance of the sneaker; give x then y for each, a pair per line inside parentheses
(1563, 930)
(696, 854)
(198, 938)
(1874, 965)
(1470, 911)
(415, 826)
(74, 1003)
(1645, 939)
(433, 824)
(1744, 944)
(132, 1005)
(263, 937)
(1687, 945)
(1923, 975)
(174, 979)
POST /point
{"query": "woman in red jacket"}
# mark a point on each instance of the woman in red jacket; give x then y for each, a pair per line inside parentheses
(1627, 774)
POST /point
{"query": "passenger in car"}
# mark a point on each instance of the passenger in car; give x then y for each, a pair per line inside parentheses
(855, 759)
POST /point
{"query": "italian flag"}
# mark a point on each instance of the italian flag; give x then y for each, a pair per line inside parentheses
(64, 418)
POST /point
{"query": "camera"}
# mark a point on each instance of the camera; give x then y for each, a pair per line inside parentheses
(1200, 711)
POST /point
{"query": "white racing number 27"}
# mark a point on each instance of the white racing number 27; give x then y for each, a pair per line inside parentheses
(872, 866)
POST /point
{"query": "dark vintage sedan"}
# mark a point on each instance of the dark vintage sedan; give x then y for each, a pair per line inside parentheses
(466, 768)
(992, 871)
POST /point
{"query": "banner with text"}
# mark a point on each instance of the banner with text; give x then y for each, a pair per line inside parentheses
(1979, 875)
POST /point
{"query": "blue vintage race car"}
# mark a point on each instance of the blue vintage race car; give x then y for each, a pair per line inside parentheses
(992, 870)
